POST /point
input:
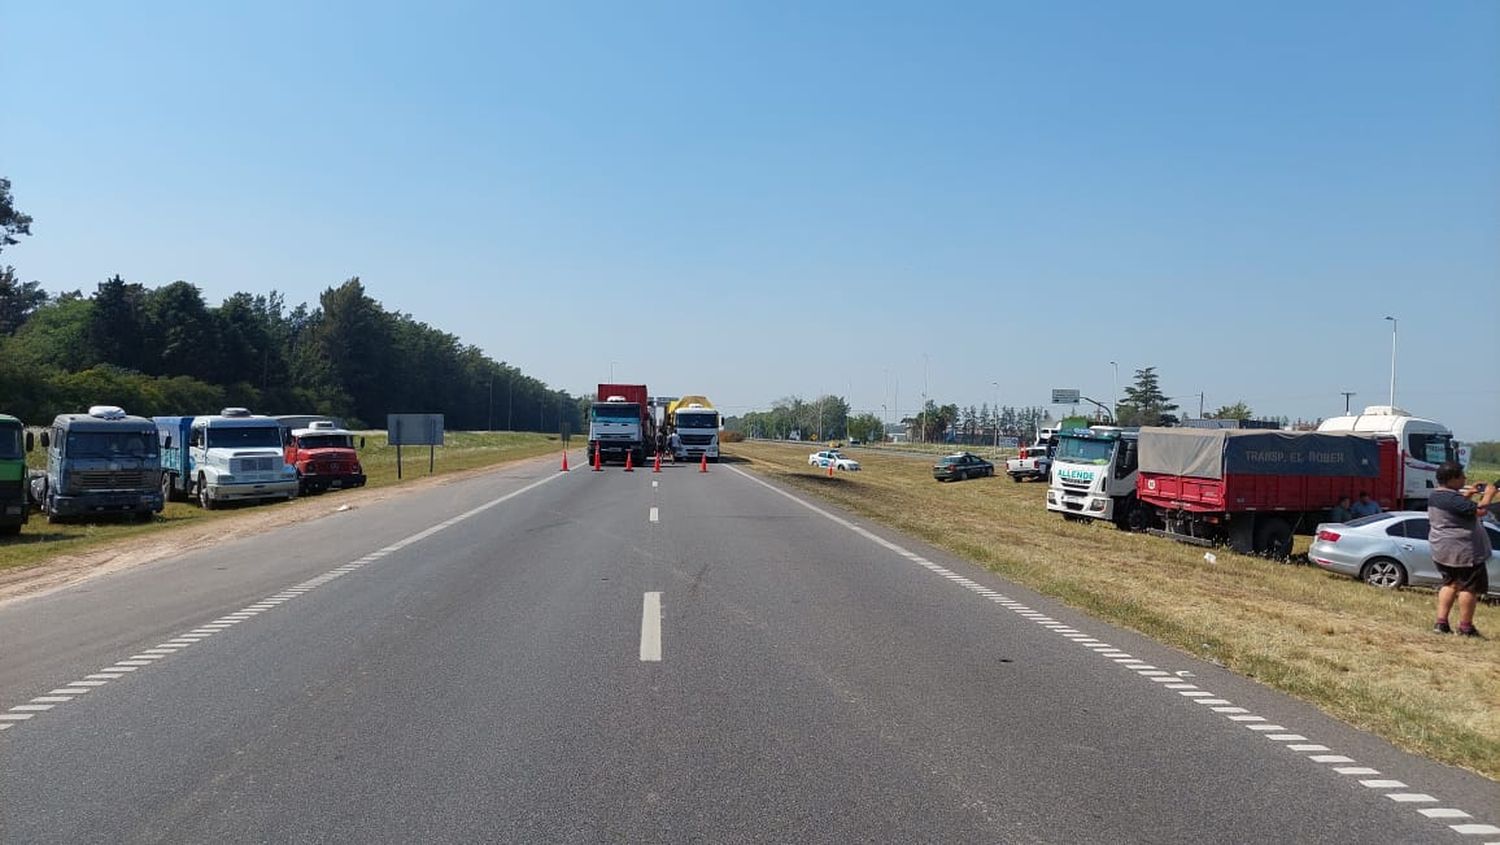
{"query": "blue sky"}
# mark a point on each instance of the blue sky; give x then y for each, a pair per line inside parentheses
(761, 199)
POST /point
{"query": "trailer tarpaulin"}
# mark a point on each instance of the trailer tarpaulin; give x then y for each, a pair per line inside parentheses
(1194, 452)
(1206, 453)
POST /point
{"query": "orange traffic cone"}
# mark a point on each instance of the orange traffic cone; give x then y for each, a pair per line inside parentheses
(830, 468)
(598, 460)
(656, 467)
(629, 464)
(565, 461)
(703, 465)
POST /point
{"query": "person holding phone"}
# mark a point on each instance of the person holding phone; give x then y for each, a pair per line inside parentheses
(1460, 545)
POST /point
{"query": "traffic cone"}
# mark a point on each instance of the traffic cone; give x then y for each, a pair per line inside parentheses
(598, 460)
(703, 465)
(629, 463)
(656, 467)
(565, 461)
(830, 468)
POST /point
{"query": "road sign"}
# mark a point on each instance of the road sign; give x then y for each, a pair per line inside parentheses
(1064, 397)
(414, 430)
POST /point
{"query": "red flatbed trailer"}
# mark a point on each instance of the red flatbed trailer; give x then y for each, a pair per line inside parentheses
(1253, 489)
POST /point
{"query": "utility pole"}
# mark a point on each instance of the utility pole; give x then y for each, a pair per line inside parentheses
(1114, 398)
(490, 426)
(1393, 360)
(996, 385)
(510, 406)
(1346, 394)
(1200, 404)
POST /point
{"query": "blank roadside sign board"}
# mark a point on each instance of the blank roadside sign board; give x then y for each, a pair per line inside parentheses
(414, 429)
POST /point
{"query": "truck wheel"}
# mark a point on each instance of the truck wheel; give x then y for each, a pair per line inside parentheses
(1274, 539)
(10, 530)
(1017, 479)
(204, 501)
(168, 489)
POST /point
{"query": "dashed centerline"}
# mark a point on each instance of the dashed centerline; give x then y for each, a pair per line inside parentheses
(1214, 704)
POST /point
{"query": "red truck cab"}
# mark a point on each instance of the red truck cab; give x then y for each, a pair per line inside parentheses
(324, 457)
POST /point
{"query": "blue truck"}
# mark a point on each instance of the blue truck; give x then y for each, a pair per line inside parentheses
(102, 462)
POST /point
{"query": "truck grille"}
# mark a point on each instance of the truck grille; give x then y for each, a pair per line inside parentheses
(103, 479)
(696, 439)
(267, 464)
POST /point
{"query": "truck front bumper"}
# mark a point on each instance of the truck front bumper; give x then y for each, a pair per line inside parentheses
(331, 481)
(145, 501)
(253, 490)
(1088, 505)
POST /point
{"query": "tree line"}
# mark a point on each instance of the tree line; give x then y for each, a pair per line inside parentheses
(165, 350)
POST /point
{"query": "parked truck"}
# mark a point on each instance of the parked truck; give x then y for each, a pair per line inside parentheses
(102, 462)
(15, 442)
(696, 423)
(1253, 489)
(1093, 476)
(324, 457)
(622, 422)
(234, 455)
(1422, 444)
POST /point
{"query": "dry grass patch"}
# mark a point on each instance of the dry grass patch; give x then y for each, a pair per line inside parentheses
(1361, 654)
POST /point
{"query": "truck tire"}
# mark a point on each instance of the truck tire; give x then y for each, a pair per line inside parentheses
(1273, 538)
(204, 500)
(10, 530)
(168, 488)
(1017, 479)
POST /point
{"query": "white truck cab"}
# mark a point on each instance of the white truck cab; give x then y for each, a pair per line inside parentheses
(1094, 473)
(1423, 444)
(237, 455)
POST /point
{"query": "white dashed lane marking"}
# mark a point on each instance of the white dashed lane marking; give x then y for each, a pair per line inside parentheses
(151, 656)
(1219, 706)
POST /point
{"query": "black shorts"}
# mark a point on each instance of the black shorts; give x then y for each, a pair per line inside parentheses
(1473, 579)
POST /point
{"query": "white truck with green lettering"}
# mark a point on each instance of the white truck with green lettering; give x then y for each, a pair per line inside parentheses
(1094, 474)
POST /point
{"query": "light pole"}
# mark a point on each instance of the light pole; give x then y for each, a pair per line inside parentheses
(1114, 398)
(611, 372)
(1393, 360)
(885, 417)
(996, 385)
(1346, 394)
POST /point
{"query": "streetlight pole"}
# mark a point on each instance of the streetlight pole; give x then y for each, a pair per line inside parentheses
(996, 418)
(611, 372)
(1393, 360)
(491, 425)
(1114, 398)
(1346, 394)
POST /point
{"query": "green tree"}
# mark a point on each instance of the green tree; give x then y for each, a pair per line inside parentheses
(12, 222)
(1237, 411)
(117, 324)
(181, 337)
(18, 300)
(1145, 404)
(867, 427)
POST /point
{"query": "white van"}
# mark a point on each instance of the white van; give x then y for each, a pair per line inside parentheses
(1424, 444)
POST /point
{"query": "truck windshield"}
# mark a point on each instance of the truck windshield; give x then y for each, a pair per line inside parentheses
(697, 420)
(244, 438)
(111, 444)
(326, 441)
(1080, 450)
(10, 442)
(616, 411)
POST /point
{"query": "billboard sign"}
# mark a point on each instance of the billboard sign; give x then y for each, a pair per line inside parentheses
(1061, 396)
(414, 429)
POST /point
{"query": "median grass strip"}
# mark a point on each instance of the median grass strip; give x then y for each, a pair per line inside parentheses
(40, 541)
(1361, 654)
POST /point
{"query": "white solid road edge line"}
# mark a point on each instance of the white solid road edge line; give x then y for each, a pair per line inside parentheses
(651, 628)
(23, 712)
(1238, 714)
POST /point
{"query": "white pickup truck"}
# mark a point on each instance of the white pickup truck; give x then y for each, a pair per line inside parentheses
(1033, 462)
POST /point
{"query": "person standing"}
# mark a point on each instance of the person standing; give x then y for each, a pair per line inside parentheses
(1366, 506)
(1460, 545)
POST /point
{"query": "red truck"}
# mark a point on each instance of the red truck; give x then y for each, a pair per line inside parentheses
(1253, 489)
(324, 457)
(622, 422)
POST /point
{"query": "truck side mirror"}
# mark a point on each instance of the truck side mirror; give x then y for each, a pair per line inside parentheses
(361, 442)
(46, 441)
(30, 442)
(166, 442)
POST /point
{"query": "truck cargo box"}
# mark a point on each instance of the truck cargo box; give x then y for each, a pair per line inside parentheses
(1234, 470)
(630, 392)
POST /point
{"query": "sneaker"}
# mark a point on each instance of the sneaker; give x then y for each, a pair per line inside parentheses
(1441, 628)
(1470, 631)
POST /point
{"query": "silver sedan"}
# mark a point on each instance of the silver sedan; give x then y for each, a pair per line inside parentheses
(1389, 550)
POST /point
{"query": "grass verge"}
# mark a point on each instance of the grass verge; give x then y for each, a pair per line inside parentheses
(1363, 655)
(40, 541)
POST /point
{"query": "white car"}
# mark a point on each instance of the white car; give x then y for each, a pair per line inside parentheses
(831, 456)
(1389, 550)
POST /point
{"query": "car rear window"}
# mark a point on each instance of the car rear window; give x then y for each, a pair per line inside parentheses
(1411, 529)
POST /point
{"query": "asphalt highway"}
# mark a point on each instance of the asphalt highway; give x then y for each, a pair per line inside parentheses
(533, 656)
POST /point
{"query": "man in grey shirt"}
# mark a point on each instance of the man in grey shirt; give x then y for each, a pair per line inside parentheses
(1460, 545)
